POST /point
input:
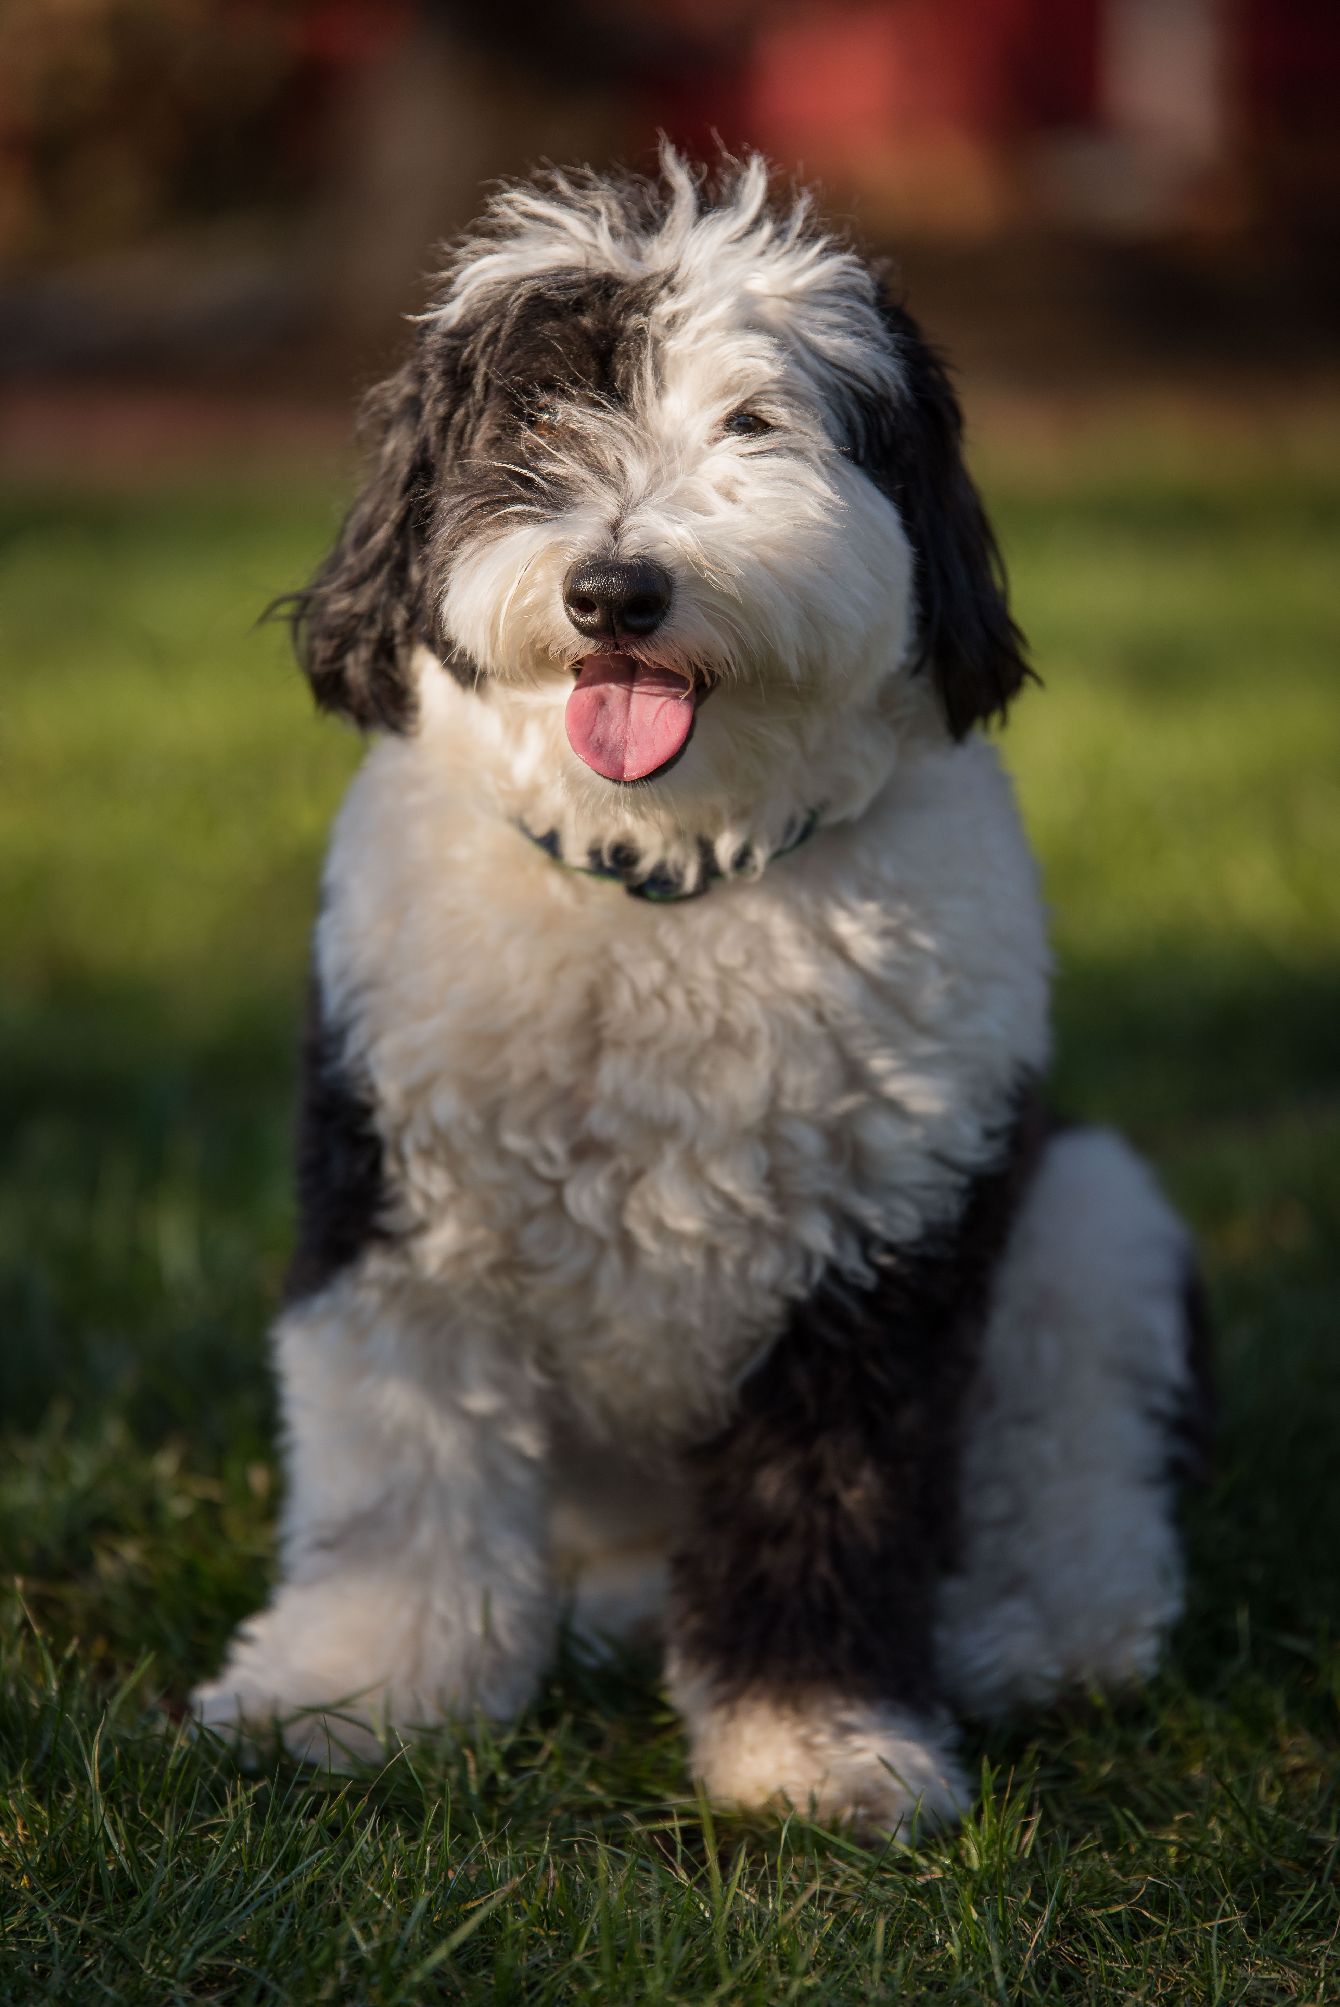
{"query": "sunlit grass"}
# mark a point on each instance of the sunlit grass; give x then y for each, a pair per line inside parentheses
(163, 796)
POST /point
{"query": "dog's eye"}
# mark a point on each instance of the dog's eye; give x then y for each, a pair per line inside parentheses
(544, 418)
(745, 425)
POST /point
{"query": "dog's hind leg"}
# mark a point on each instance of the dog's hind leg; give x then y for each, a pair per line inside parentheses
(415, 1582)
(1090, 1407)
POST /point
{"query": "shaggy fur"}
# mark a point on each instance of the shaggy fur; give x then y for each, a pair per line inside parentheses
(696, 1259)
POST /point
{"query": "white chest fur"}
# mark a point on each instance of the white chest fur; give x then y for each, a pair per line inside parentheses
(633, 1134)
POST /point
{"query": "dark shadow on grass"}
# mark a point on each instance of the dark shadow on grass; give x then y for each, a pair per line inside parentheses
(144, 1204)
(1191, 1036)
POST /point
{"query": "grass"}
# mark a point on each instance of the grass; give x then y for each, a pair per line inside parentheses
(163, 795)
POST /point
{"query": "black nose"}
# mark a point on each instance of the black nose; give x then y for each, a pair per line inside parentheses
(606, 597)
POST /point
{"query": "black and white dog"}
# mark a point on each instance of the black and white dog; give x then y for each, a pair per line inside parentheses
(680, 1237)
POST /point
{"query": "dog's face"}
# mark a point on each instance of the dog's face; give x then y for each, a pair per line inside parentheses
(670, 478)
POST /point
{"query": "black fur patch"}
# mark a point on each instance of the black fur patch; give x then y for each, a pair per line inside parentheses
(913, 451)
(356, 624)
(455, 442)
(824, 1515)
(340, 1174)
(573, 335)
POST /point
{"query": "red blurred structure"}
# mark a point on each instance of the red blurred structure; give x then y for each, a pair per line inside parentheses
(247, 188)
(961, 114)
(939, 115)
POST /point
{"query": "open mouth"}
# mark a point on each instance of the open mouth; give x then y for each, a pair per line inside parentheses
(629, 719)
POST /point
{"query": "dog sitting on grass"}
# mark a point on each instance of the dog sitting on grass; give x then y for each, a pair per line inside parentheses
(681, 1236)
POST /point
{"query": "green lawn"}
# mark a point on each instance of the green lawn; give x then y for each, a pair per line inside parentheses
(163, 794)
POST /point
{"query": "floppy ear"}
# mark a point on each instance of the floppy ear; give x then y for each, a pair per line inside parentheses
(913, 449)
(356, 624)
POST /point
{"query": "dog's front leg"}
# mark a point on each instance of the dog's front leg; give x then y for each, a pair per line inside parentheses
(415, 1582)
(803, 1607)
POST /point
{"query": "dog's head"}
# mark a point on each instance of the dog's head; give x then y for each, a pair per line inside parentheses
(668, 474)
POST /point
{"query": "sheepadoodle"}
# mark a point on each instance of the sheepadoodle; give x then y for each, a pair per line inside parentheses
(682, 1240)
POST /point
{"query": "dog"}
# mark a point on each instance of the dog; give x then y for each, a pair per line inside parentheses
(682, 1237)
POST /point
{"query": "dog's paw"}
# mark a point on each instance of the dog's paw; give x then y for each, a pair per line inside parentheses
(319, 1673)
(872, 1768)
(256, 1722)
(283, 1684)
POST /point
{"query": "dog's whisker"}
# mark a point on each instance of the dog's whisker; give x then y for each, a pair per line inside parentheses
(512, 467)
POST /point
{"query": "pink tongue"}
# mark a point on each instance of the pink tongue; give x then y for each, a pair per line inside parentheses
(628, 719)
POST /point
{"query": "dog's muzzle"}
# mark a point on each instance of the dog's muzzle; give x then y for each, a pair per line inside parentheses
(614, 599)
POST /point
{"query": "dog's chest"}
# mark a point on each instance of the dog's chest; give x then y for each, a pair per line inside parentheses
(636, 1134)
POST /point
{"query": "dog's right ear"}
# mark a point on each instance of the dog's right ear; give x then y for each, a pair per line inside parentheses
(356, 624)
(912, 448)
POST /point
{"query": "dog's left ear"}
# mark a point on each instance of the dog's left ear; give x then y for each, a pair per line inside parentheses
(356, 624)
(912, 448)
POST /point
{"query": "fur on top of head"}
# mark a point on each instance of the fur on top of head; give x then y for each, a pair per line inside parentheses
(672, 439)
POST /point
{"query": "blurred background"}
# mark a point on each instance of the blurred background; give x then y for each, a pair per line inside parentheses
(212, 211)
(1122, 217)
